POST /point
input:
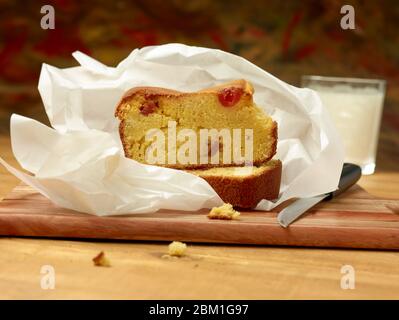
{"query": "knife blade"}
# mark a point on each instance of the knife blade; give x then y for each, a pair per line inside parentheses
(350, 174)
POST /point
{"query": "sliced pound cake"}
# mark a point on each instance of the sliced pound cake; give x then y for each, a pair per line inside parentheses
(244, 187)
(154, 123)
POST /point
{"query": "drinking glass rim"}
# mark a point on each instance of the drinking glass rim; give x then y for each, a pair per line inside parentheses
(345, 79)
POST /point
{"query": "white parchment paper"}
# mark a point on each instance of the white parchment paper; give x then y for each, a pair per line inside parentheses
(79, 162)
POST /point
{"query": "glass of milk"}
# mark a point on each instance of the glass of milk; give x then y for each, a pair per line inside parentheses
(355, 106)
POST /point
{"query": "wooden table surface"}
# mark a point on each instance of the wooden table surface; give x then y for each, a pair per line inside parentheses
(208, 272)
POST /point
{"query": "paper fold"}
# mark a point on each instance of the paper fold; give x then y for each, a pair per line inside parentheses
(79, 163)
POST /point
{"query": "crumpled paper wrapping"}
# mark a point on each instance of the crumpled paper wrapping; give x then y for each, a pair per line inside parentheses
(79, 162)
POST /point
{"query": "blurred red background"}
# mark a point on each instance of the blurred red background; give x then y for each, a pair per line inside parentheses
(286, 38)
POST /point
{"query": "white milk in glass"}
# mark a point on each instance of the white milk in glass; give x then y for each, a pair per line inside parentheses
(355, 105)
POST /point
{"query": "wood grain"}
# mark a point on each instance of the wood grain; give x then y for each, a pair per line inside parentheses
(208, 272)
(353, 220)
(138, 271)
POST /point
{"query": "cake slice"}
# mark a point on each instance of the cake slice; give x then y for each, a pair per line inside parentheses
(174, 129)
(244, 187)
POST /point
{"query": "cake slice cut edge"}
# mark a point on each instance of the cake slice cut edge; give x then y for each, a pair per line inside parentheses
(144, 108)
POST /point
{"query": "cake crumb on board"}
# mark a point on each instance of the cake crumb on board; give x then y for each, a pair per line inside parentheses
(176, 249)
(224, 212)
(101, 260)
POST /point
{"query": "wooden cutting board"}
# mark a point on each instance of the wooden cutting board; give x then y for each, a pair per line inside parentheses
(353, 220)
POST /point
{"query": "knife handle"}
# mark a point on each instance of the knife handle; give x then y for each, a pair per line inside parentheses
(350, 174)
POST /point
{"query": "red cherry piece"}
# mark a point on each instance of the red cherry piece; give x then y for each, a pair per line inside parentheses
(228, 97)
(148, 107)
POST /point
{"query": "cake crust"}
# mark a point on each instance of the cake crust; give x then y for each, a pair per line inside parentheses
(245, 191)
(158, 91)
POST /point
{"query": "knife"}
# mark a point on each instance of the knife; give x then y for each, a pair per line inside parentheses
(350, 174)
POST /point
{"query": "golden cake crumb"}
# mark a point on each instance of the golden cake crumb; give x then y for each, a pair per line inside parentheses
(224, 212)
(101, 261)
(177, 249)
